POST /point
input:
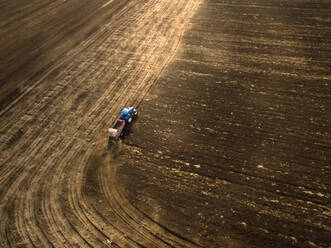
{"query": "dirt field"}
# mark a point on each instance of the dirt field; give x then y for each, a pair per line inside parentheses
(232, 146)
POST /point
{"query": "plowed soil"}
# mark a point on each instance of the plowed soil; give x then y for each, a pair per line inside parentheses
(232, 144)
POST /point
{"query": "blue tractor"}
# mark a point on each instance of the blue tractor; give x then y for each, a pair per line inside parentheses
(122, 126)
(128, 114)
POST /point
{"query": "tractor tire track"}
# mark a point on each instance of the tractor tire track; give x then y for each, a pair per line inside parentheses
(42, 170)
(131, 216)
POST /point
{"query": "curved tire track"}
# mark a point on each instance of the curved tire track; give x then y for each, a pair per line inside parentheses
(42, 172)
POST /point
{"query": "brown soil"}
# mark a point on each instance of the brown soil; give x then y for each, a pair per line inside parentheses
(231, 147)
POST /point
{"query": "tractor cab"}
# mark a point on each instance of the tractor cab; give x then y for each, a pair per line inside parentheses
(128, 114)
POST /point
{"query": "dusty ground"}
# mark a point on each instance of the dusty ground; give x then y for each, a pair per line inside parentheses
(231, 147)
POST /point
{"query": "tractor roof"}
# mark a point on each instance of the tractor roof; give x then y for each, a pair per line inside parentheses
(125, 111)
